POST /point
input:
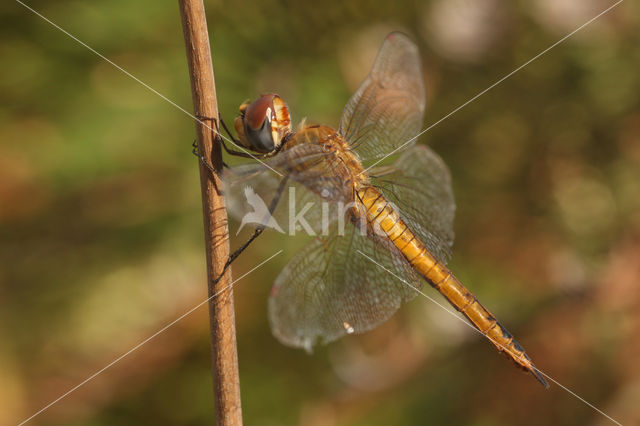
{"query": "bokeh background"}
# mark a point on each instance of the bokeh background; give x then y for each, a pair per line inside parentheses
(101, 231)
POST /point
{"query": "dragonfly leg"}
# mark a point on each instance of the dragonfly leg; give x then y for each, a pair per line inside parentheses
(215, 129)
(244, 153)
(202, 159)
(216, 135)
(272, 207)
(237, 143)
(201, 117)
(240, 153)
(226, 129)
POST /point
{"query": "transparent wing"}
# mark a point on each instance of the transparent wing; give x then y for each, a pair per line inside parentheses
(250, 190)
(333, 287)
(419, 185)
(315, 183)
(387, 110)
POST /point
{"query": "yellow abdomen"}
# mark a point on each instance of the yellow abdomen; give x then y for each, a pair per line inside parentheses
(380, 213)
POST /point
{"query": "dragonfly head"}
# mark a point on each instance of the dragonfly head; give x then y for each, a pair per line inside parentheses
(263, 123)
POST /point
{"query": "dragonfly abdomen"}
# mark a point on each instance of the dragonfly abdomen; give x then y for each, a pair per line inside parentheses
(383, 216)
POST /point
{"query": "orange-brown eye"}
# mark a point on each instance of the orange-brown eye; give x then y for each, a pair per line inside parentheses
(259, 111)
(263, 123)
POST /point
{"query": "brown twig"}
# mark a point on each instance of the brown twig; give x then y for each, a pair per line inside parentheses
(224, 358)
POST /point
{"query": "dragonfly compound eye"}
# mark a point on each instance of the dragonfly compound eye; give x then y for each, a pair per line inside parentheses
(263, 124)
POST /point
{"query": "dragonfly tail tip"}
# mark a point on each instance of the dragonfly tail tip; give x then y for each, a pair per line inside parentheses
(539, 377)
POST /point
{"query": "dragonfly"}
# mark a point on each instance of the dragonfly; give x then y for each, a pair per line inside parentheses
(396, 221)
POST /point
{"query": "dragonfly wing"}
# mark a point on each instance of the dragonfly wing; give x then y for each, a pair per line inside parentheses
(419, 185)
(312, 187)
(386, 111)
(332, 288)
(250, 193)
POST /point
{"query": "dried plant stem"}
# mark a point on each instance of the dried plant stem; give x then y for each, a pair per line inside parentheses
(224, 358)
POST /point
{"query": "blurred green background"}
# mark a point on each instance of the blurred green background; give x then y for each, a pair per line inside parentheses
(101, 231)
